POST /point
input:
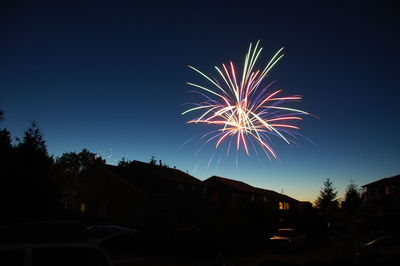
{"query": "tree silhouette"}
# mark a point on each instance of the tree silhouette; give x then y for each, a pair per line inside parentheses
(153, 160)
(6, 146)
(33, 187)
(87, 159)
(124, 163)
(352, 198)
(70, 164)
(8, 180)
(32, 148)
(327, 198)
(5, 141)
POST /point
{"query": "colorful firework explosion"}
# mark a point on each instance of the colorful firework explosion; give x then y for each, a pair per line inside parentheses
(243, 109)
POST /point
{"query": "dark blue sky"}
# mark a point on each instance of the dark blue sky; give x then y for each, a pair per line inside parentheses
(110, 76)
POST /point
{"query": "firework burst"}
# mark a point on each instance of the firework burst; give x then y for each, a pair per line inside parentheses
(243, 109)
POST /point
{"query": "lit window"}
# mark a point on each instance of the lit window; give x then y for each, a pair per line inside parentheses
(83, 207)
(387, 190)
(284, 206)
(264, 199)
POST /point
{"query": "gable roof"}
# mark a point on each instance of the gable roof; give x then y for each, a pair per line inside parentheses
(234, 184)
(169, 174)
(151, 178)
(384, 181)
(246, 188)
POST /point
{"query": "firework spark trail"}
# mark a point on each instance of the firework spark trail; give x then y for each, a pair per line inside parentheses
(241, 111)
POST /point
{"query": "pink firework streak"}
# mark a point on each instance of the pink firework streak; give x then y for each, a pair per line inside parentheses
(243, 109)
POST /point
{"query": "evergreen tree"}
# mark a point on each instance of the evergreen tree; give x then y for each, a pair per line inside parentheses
(8, 180)
(352, 198)
(5, 141)
(6, 146)
(327, 198)
(32, 149)
(36, 189)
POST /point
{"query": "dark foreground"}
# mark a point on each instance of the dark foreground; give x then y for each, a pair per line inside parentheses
(333, 250)
(126, 247)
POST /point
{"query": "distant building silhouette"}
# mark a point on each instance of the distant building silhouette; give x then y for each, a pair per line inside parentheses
(139, 195)
(152, 196)
(385, 193)
(232, 193)
(382, 204)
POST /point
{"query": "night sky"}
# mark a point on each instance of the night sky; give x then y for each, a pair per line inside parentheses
(110, 76)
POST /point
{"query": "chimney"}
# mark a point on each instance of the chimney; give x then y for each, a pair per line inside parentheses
(160, 163)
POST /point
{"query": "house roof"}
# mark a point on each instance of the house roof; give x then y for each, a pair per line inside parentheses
(234, 184)
(267, 192)
(244, 187)
(150, 178)
(170, 174)
(384, 181)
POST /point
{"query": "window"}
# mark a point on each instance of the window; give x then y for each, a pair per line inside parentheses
(252, 198)
(181, 187)
(264, 199)
(284, 206)
(83, 207)
(387, 190)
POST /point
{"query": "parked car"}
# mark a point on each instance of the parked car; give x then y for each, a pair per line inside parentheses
(111, 237)
(287, 238)
(44, 231)
(61, 243)
(384, 250)
(61, 254)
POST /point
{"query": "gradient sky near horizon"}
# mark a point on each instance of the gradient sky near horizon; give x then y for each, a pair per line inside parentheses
(110, 76)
